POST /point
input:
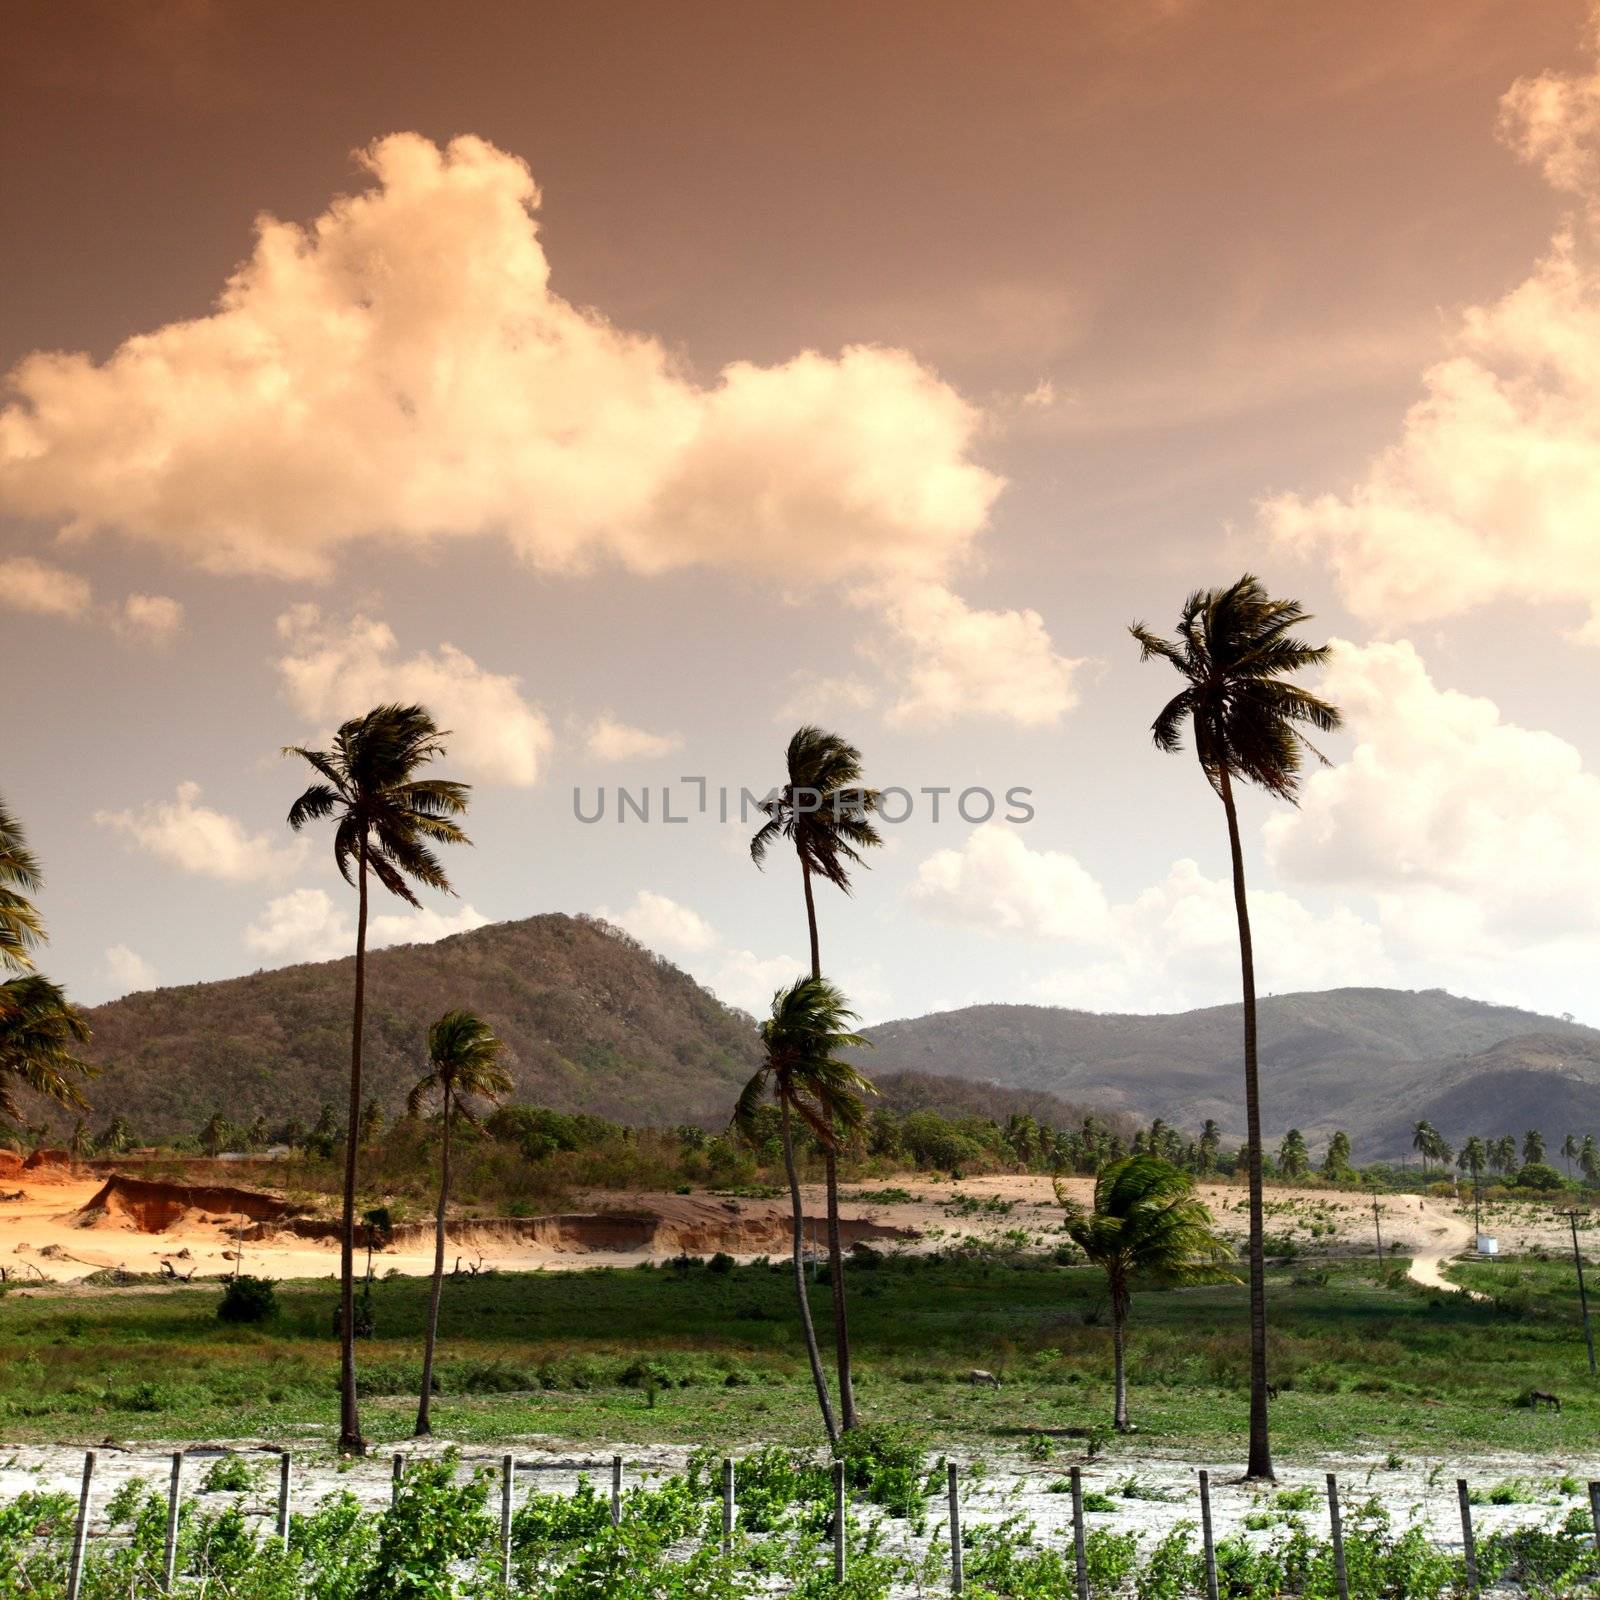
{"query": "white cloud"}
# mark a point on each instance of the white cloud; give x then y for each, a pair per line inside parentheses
(995, 881)
(822, 700)
(952, 661)
(335, 670)
(306, 925)
(204, 841)
(1475, 835)
(50, 591)
(1493, 488)
(29, 585)
(610, 740)
(744, 979)
(128, 970)
(401, 369)
(662, 924)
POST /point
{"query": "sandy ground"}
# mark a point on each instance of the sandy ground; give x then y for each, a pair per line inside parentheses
(1165, 1489)
(48, 1234)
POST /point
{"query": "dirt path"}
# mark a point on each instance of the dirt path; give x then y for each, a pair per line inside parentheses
(1449, 1235)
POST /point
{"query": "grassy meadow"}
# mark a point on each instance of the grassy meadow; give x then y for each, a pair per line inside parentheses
(693, 1354)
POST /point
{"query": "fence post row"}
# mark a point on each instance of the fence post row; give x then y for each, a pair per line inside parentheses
(1336, 1530)
(727, 1506)
(1594, 1513)
(838, 1522)
(80, 1534)
(616, 1491)
(169, 1556)
(284, 1469)
(1469, 1547)
(955, 1530)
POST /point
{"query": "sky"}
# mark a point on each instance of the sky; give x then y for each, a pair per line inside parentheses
(631, 383)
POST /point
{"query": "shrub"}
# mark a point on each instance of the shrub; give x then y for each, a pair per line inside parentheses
(247, 1299)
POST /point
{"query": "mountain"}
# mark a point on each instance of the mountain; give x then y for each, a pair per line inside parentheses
(592, 1021)
(1370, 1061)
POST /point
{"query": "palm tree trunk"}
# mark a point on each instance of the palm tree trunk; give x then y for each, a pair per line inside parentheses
(810, 1333)
(1260, 1446)
(426, 1398)
(1119, 1323)
(349, 1419)
(830, 1162)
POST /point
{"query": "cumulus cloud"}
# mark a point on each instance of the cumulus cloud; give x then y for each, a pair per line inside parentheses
(1493, 487)
(996, 881)
(1172, 946)
(402, 368)
(1476, 836)
(128, 970)
(611, 740)
(307, 925)
(332, 670)
(742, 978)
(662, 924)
(47, 591)
(149, 618)
(203, 841)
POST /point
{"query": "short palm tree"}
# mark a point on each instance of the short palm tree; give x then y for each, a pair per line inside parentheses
(810, 1024)
(464, 1065)
(386, 817)
(825, 811)
(1235, 650)
(1146, 1226)
(40, 1030)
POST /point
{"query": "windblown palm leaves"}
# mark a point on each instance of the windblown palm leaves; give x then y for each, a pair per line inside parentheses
(39, 1032)
(21, 928)
(386, 819)
(811, 1022)
(1146, 1227)
(464, 1065)
(1235, 649)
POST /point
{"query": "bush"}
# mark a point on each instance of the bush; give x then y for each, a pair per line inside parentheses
(247, 1299)
(1536, 1175)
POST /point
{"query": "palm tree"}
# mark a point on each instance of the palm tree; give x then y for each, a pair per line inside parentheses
(1474, 1153)
(465, 1060)
(1294, 1160)
(1532, 1148)
(1234, 651)
(386, 817)
(1424, 1136)
(21, 928)
(1210, 1144)
(809, 1025)
(1589, 1159)
(1569, 1151)
(39, 1032)
(825, 811)
(1145, 1225)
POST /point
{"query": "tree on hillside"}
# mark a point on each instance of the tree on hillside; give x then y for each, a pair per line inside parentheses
(385, 820)
(115, 1138)
(1294, 1160)
(809, 1025)
(1532, 1148)
(1145, 1226)
(1336, 1163)
(1235, 651)
(217, 1134)
(464, 1065)
(825, 811)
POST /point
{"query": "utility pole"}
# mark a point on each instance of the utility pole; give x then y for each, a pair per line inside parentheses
(1583, 1295)
(1377, 1223)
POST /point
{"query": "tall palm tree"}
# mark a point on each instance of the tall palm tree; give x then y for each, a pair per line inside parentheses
(1423, 1139)
(1532, 1147)
(1569, 1151)
(385, 819)
(1145, 1225)
(21, 928)
(825, 811)
(464, 1063)
(1235, 650)
(809, 1025)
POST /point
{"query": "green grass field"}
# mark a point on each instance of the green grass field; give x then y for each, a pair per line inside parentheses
(693, 1355)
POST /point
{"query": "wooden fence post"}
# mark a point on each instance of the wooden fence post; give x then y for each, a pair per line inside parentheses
(955, 1530)
(1469, 1548)
(397, 1471)
(838, 1522)
(80, 1534)
(1336, 1528)
(285, 1467)
(616, 1491)
(727, 1506)
(1206, 1535)
(169, 1555)
(1079, 1554)
(1594, 1513)
(508, 1477)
